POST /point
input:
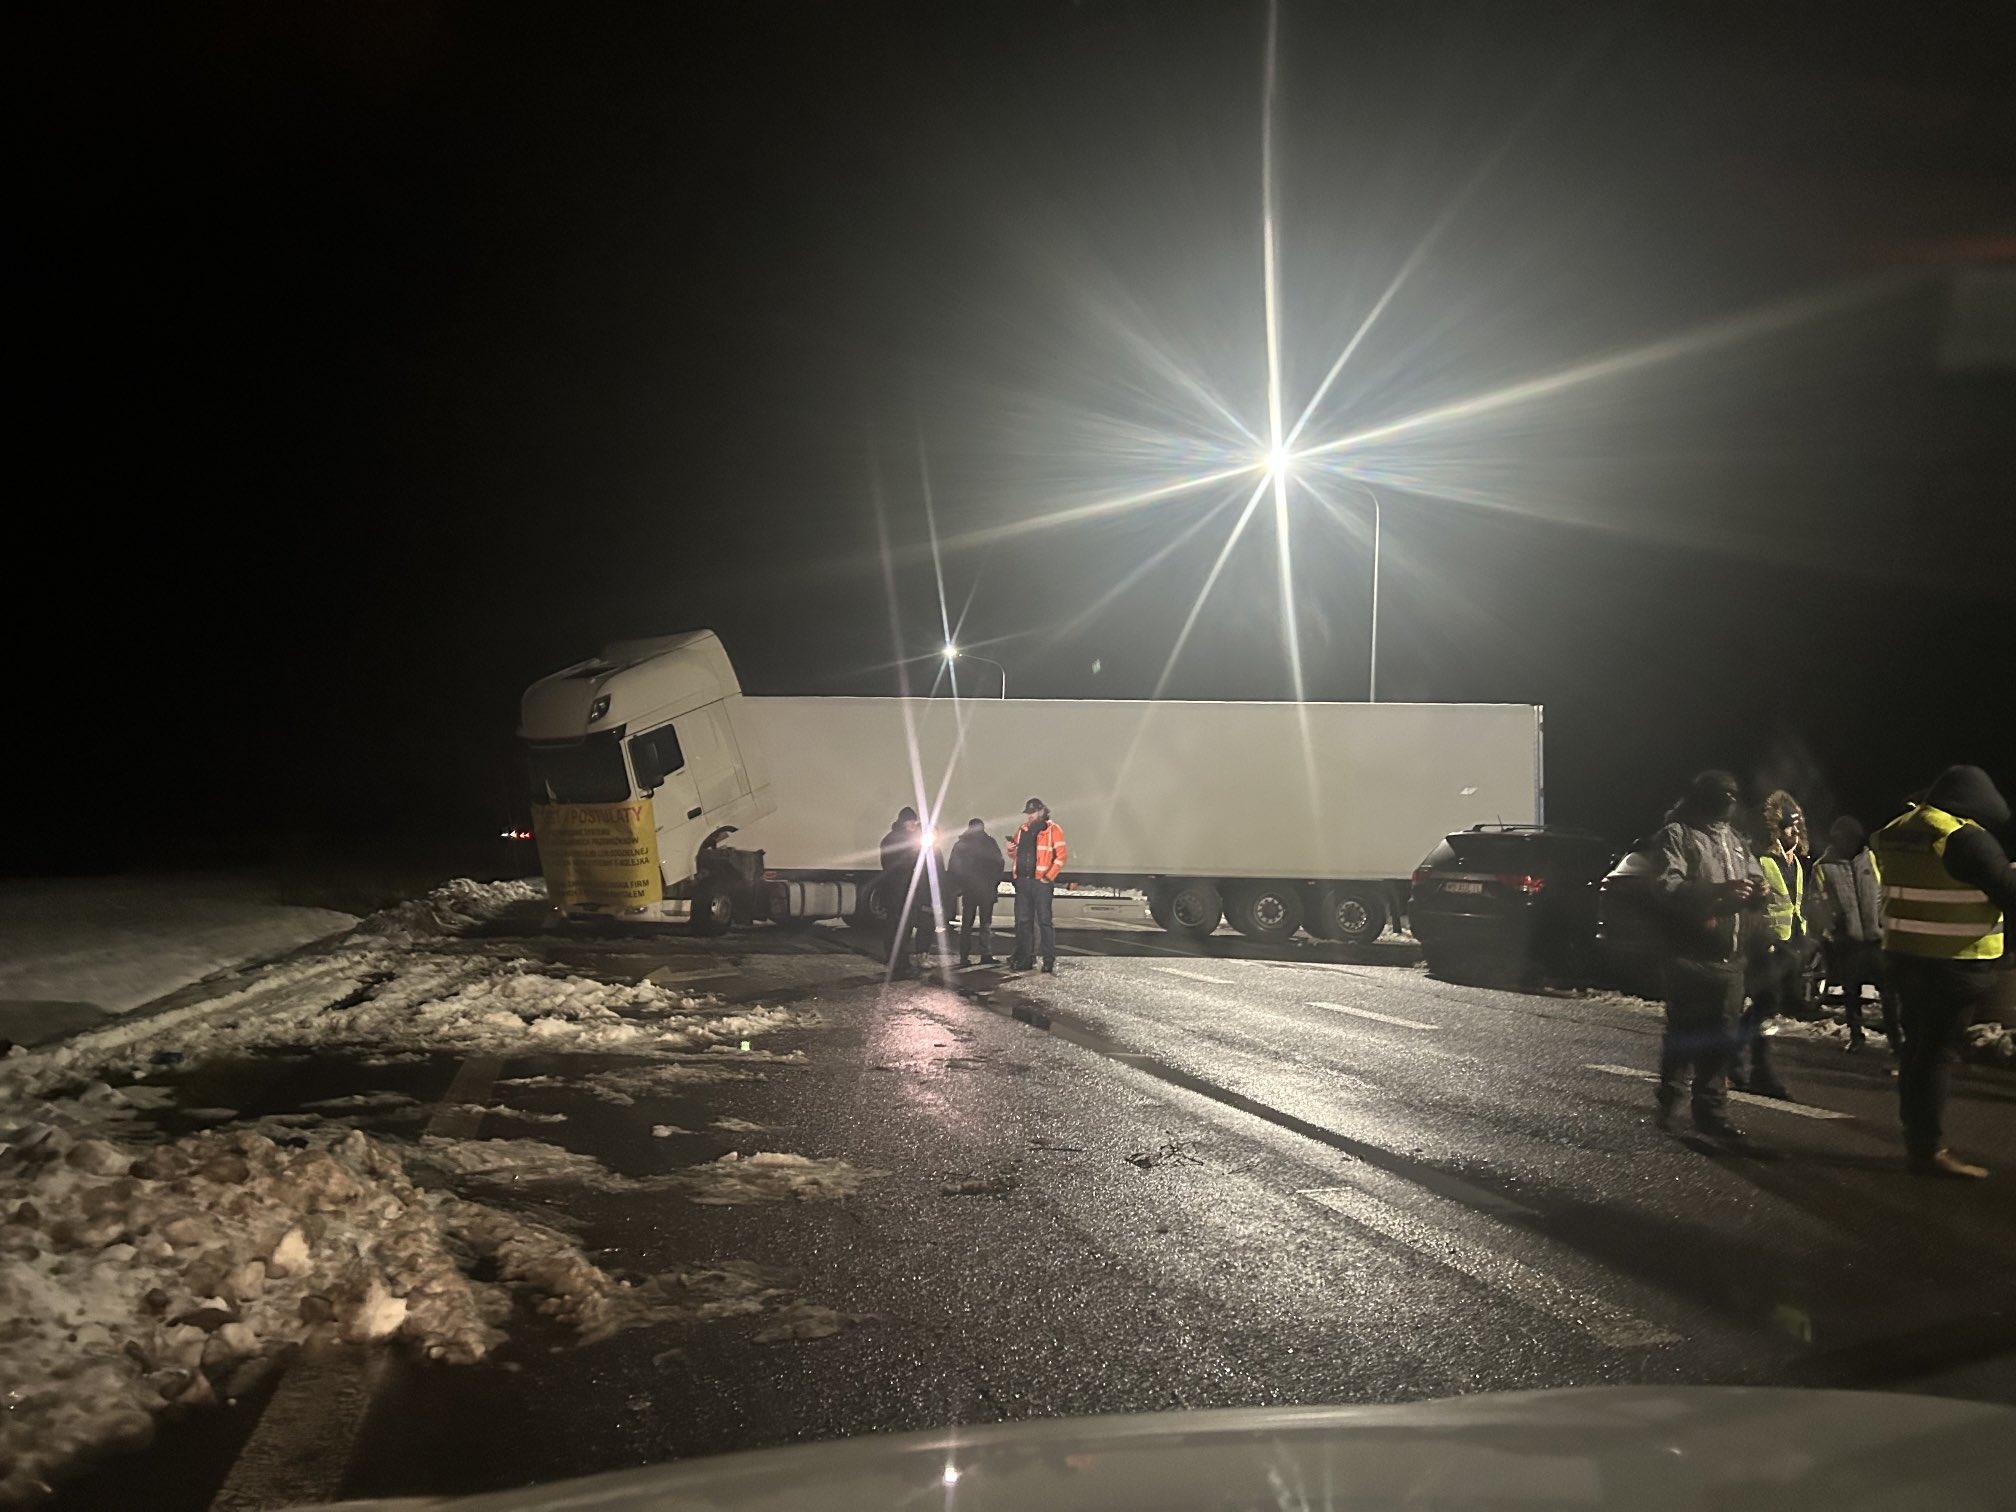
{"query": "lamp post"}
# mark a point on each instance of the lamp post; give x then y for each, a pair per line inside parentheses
(1372, 671)
(952, 654)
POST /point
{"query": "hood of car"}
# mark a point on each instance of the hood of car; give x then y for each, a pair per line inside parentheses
(1603, 1447)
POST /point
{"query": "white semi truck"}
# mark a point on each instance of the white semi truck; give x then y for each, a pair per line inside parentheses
(1272, 816)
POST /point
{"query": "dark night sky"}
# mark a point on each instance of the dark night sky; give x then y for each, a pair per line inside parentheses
(380, 358)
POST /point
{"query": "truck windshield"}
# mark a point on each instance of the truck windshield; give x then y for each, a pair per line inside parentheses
(589, 770)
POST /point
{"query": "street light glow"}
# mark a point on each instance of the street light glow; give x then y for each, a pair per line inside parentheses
(951, 652)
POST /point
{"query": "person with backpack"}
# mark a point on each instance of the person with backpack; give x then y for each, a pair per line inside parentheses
(1848, 889)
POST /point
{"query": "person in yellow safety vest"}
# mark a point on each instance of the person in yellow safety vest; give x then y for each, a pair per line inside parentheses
(1776, 956)
(1948, 889)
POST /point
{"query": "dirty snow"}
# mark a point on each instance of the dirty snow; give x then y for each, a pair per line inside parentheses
(138, 1275)
(115, 943)
(733, 1180)
(133, 1279)
(400, 987)
(770, 1177)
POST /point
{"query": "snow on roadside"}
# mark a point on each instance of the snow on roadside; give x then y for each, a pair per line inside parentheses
(119, 942)
(453, 908)
(395, 988)
(133, 1280)
(731, 1181)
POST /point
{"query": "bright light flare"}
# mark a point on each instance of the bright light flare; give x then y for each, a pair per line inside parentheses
(950, 652)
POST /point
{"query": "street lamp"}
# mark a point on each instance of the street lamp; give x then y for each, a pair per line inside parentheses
(952, 653)
(1372, 674)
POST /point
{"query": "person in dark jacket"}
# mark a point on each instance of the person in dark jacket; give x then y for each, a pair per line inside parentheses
(1848, 888)
(1948, 890)
(908, 927)
(976, 869)
(1707, 880)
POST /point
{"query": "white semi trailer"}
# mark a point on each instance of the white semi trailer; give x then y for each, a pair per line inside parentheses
(1273, 816)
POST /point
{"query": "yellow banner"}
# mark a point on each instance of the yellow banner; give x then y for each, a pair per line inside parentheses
(602, 855)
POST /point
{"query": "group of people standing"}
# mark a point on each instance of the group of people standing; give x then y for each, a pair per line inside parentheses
(1918, 910)
(967, 882)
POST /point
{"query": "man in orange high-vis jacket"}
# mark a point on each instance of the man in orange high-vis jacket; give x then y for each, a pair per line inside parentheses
(1036, 854)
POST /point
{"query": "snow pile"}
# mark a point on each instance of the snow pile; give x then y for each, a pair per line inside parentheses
(118, 942)
(1994, 1044)
(393, 1005)
(731, 1181)
(134, 1280)
(454, 908)
(734, 1180)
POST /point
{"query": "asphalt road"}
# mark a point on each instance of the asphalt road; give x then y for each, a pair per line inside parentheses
(1168, 1176)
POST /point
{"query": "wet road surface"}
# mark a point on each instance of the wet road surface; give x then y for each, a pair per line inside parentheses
(1171, 1175)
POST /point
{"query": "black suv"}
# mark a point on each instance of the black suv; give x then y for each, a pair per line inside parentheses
(1510, 902)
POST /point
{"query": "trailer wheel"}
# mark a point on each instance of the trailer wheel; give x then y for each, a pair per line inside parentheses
(1270, 912)
(1158, 906)
(1351, 915)
(1194, 909)
(713, 910)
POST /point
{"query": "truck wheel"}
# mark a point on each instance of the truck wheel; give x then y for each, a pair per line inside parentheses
(1267, 911)
(713, 910)
(871, 911)
(1158, 906)
(1351, 915)
(1194, 909)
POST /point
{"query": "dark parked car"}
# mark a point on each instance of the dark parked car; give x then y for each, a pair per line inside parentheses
(1510, 902)
(1631, 933)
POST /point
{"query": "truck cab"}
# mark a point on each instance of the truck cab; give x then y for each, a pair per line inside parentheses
(652, 721)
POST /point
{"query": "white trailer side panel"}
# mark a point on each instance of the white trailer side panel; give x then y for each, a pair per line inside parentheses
(1150, 789)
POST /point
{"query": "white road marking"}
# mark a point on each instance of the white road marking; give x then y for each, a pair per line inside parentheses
(1076, 950)
(1367, 1013)
(1195, 976)
(1775, 1104)
(1536, 1289)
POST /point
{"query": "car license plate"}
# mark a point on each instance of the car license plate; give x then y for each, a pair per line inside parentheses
(1466, 887)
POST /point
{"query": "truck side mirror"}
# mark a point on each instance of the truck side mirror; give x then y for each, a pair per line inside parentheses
(644, 758)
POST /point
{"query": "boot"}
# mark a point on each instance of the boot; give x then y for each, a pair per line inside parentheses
(1664, 1107)
(1945, 1163)
(1717, 1126)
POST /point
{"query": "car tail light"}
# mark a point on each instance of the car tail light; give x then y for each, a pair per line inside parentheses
(1523, 882)
(1422, 874)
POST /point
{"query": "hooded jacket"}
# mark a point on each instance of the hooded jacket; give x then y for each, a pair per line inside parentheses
(1850, 893)
(1973, 856)
(1696, 856)
(900, 849)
